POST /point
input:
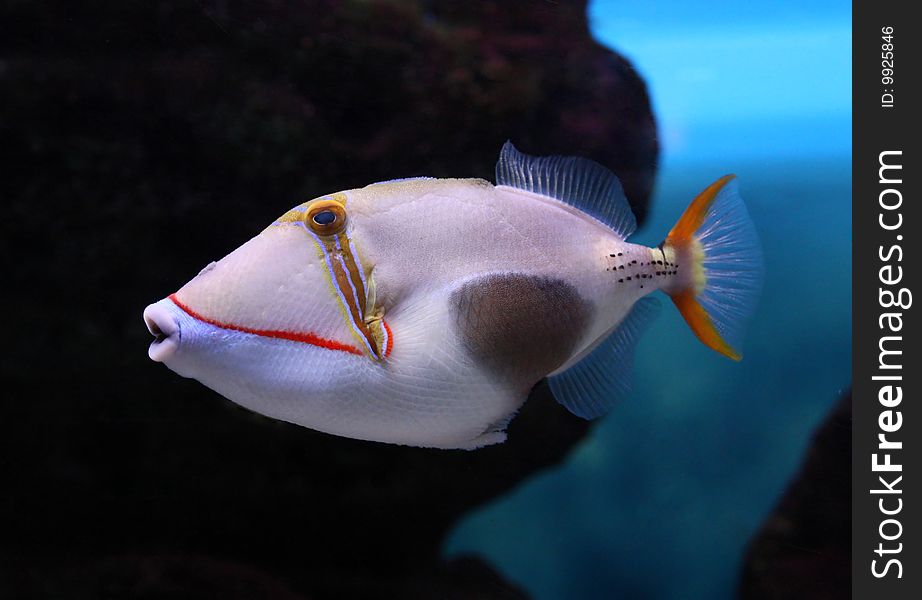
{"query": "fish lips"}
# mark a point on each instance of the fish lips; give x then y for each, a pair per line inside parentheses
(164, 322)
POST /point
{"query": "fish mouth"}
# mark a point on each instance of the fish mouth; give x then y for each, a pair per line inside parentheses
(166, 331)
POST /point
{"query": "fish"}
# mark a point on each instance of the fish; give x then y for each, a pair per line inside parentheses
(422, 311)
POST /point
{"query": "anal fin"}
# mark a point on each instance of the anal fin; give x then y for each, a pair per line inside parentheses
(591, 387)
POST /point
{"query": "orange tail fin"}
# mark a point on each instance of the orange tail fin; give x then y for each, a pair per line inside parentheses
(717, 242)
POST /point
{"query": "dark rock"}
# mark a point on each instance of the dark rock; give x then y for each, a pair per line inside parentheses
(142, 140)
(804, 548)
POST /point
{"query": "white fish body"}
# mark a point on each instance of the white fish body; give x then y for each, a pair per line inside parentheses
(432, 306)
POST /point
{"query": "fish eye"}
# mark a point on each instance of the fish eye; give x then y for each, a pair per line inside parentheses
(326, 217)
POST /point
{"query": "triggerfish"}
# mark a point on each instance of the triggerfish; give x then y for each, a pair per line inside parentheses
(423, 311)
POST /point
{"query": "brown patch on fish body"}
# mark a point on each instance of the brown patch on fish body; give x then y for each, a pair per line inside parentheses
(519, 327)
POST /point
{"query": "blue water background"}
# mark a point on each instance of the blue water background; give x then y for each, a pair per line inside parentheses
(662, 498)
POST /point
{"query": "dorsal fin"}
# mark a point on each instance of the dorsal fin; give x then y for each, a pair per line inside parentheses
(402, 179)
(590, 387)
(579, 182)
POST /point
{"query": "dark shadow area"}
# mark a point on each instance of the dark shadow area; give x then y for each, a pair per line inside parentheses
(142, 140)
(804, 547)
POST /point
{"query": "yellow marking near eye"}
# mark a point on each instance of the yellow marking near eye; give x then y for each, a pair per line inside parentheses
(354, 275)
(344, 272)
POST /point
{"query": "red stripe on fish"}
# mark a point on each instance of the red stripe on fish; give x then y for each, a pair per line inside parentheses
(306, 338)
(390, 339)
